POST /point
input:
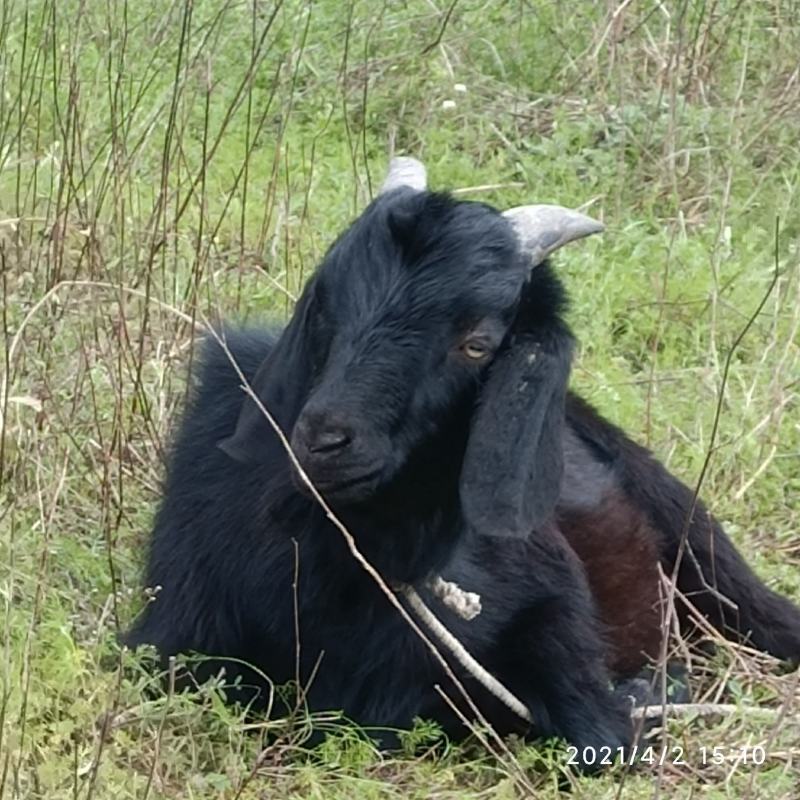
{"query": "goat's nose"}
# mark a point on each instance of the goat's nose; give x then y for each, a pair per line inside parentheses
(329, 439)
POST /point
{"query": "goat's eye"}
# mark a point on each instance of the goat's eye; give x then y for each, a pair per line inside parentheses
(475, 350)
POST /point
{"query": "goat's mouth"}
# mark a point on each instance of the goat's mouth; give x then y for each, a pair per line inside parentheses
(344, 486)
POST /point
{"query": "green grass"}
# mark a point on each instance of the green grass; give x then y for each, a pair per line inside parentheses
(168, 162)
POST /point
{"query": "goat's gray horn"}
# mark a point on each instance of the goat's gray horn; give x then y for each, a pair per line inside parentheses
(405, 171)
(543, 229)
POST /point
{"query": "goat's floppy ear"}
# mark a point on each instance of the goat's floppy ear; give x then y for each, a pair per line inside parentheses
(511, 476)
(281, 384)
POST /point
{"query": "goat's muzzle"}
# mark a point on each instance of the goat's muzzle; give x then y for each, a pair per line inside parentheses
(342, 459)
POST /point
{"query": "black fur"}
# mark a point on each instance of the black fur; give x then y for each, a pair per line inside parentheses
(435, 462)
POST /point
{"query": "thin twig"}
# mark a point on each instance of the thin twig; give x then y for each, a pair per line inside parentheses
(682, 710)
(486, 679)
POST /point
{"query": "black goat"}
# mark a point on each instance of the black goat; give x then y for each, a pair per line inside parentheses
(422, 380)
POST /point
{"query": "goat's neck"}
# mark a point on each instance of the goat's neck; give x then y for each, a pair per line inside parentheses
(411, 529)
(404, 545)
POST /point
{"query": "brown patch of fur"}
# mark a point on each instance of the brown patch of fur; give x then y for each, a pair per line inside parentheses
(620, 555)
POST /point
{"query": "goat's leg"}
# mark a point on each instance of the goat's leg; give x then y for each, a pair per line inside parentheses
(554, 653)
(711, 574)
